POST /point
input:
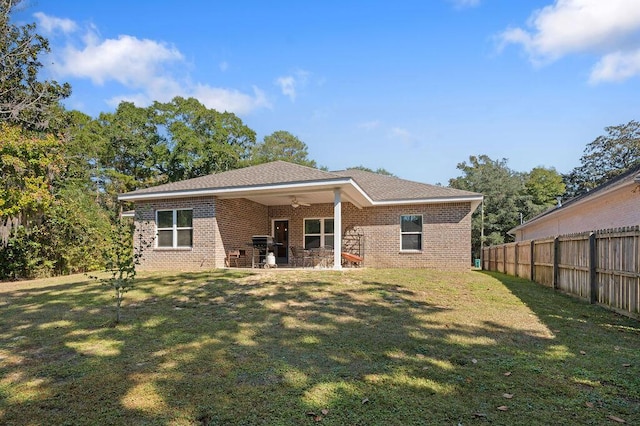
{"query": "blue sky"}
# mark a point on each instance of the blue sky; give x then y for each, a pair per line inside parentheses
(414, 86)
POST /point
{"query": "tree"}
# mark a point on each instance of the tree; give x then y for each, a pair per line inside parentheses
(200, 141)
(24, 100)
(29, 164)
(502, 189)
(606, 157)
(121, 258)
(542, 188)
(130, 149)
(281, 145)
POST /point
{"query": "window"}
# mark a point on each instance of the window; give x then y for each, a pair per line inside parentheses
(175, 228)
(318, 233)
(411, 232)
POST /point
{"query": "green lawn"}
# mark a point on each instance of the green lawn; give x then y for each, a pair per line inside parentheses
(361, 347)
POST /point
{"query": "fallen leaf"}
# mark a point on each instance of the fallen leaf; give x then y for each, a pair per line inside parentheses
(508, 373)
(311, 414)
(475, 361)
(626, 365)
(503, 408)
(324, 411)
(317, 419)
(507, 395)
(479, 415)
(616, 419)
(365, 400)
(583, 353)
(617, 348)
(589, 404)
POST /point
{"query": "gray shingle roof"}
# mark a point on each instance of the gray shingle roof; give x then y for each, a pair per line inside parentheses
(263, 174)
(378, 187)
(390, 188)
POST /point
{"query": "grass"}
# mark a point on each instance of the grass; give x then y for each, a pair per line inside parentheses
(360, 347)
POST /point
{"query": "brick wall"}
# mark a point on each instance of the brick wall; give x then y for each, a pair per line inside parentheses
(616, 209)
(218, 226)
(222, 225)
(200, 256)
(238, 221)
(446, 232)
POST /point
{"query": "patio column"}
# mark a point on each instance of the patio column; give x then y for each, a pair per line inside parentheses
(337, 229)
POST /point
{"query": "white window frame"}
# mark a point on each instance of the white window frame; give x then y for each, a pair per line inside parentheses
(322, 233)
(420, 233)
(174, 228)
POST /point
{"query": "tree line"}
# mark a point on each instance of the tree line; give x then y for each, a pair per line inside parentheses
(61, 169)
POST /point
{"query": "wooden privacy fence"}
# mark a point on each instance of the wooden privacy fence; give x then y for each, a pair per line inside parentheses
(602, 266)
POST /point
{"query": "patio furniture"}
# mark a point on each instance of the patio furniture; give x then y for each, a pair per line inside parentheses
(322, 257)
(300, 257)
(234, 257)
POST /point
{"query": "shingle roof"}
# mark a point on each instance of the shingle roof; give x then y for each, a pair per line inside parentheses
(379, 188)
(263, 174)
(390, 188)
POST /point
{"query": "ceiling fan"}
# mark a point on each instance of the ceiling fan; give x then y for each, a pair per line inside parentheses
(295, 203)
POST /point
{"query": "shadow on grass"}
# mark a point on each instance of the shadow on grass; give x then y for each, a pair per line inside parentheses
(235, 347)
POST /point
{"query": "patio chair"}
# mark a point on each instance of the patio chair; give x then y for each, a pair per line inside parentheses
(300, 257)
(234, 256)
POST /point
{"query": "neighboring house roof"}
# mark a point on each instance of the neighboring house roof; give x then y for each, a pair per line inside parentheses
(631, 176)
(276, 182)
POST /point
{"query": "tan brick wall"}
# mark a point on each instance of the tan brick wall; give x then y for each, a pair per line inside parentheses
(617, 209)
(200, 256)
(446, 232)
(221, 225)
(218, 226)
(239, 220)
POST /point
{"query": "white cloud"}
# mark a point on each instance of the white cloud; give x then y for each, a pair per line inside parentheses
(581, 26)
(463, 4)
(149, 69)
(128, 60)
(289, 84)
(224, 65)
(50, 24)
(616, 66)
(230, 100)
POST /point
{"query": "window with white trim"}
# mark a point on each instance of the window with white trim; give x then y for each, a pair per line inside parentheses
(411, 232)
(174, 228)
(318, 233)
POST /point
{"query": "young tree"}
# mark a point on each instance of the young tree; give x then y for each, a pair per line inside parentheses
(281, 145)
(24, 100)
(606, 157)
(121, 257)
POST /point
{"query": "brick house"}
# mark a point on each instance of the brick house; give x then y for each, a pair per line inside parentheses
(384, 221)
(614, 204)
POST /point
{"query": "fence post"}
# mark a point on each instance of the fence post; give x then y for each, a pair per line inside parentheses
(593, 284)
(532, 266)
(515, 259)
(556, 256)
